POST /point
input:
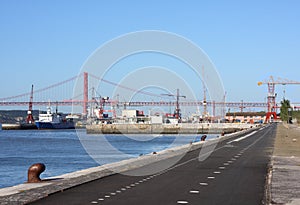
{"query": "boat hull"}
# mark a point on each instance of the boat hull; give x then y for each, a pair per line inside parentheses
(50, 125)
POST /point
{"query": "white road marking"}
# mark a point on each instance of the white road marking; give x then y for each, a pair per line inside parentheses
(132, 185)
(229, 161)
(210, 177)
(193, 159)
(182, 202)
(136, 183)
(194, 192)
(113, 194)
(202, 184)
(128, 187)
(226, 164)
(241, 138)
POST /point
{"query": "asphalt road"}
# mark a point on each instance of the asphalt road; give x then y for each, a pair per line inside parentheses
(234, 173)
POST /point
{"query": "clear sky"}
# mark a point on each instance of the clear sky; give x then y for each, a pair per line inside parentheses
(45, 42)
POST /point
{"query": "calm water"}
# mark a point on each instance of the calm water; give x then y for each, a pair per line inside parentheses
(63, 151)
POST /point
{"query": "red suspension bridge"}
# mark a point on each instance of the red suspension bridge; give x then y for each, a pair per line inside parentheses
(62, 90)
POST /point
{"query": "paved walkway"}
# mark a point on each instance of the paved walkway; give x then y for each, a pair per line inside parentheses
(285, 179)
(234, 173)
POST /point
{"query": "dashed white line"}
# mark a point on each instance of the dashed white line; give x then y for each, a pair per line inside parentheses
(118, 191)
(203, 184)
(112, 194)
(94, 202)
(182, 202)
(194, 192)
(123, 189)
(210, 177)
(100, 199)
(128, 187)
(107, 196)
(226, 164)
(221, 167)
(241, 138)
(229, 161)
(217, 172)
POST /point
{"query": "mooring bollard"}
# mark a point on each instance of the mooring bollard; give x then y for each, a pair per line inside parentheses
(203, 138)
(34, 172)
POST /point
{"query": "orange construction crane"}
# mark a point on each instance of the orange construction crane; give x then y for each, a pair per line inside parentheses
(272, 95)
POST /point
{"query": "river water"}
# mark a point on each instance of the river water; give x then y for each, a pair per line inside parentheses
(65, 151)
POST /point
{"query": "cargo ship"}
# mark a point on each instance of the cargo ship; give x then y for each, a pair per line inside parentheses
(52, 120)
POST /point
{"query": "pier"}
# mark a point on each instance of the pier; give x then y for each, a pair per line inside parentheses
(182, 128)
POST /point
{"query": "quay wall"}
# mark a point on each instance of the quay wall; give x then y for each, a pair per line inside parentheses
(11, 126)
(183, 128)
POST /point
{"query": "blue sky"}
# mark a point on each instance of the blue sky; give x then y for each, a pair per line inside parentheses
(44, 42)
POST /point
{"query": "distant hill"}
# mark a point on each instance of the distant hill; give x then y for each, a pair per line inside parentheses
(16, 116)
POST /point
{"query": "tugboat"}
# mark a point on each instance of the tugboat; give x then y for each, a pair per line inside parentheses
(54, 121)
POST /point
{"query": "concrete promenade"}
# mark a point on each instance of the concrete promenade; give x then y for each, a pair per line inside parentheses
(235, 170)
(284, 184)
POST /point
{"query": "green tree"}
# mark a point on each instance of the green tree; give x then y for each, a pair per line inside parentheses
(284, 110)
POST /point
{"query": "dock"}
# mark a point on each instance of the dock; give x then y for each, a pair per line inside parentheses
(19, 127)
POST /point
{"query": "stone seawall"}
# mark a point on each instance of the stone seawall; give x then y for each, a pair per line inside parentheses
(184, 128)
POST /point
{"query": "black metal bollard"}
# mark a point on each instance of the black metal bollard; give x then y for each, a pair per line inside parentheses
(34, 172)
